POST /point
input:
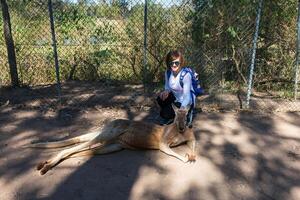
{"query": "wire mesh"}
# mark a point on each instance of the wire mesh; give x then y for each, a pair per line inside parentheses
(32, 38)
(100, 40)
(4, 69)
(275, 63)
(103, 40)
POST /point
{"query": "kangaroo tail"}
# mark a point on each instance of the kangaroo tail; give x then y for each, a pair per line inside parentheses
(64, 143)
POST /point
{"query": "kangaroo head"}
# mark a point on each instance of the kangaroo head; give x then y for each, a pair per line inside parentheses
(180, 118)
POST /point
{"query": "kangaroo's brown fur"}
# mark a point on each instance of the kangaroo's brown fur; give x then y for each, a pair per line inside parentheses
(125, 134)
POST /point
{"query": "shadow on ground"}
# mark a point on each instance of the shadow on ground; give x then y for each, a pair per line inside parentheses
(240, 155)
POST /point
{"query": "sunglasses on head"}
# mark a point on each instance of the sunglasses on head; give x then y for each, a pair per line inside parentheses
(177, 63)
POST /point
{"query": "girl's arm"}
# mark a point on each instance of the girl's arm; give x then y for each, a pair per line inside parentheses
(167, 82)
(187, 84)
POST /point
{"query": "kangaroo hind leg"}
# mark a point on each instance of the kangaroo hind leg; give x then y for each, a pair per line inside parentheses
(47, 165)
(102, 149)
(109, 133)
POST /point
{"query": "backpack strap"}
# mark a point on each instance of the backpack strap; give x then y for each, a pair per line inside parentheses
(183, 72)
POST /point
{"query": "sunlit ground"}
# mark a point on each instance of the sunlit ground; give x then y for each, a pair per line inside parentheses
(240, 156)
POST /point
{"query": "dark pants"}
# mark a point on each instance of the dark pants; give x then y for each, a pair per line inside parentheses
(166, 110)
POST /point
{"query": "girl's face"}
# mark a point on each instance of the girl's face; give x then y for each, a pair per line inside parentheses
(175, 65)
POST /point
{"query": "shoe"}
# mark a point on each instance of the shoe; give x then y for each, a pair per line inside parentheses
(190, 125)
(164, 121)
(189, 120)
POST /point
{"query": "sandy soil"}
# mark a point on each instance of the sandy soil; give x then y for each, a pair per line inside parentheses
(241, 155)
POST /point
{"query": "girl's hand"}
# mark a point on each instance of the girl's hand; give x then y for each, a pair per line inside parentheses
(163, 95)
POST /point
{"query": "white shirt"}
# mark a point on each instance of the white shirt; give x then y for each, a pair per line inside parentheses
(182, 95)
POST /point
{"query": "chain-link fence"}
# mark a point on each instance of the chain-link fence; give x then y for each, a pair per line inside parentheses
(126, 41)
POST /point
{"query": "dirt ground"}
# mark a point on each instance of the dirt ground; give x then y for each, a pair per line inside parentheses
(241, 155)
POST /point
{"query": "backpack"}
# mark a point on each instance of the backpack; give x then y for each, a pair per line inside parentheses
(198, 90)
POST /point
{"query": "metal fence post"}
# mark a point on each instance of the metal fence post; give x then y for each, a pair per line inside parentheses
(253, 53)
(145, 43)
(54, 48)
(297, 53)
(10, 46)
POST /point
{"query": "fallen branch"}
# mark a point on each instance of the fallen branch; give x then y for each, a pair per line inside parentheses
(275, 80)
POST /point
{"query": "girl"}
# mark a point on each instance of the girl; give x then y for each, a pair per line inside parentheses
(177, 92)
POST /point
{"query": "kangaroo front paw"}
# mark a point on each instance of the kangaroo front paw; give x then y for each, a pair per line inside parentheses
(191, 157)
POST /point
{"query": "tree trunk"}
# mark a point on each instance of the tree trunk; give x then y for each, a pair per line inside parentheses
(9, 45)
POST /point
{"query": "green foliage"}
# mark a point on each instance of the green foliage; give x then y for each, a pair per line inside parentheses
(104, 40)
(277, 46)
(227, 28)
(232, 32)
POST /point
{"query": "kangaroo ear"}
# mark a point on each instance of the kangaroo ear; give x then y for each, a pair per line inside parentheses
(174, 108)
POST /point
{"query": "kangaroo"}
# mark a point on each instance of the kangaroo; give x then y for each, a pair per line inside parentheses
(126, 134)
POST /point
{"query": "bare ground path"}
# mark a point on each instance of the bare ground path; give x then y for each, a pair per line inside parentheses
(241, 155)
